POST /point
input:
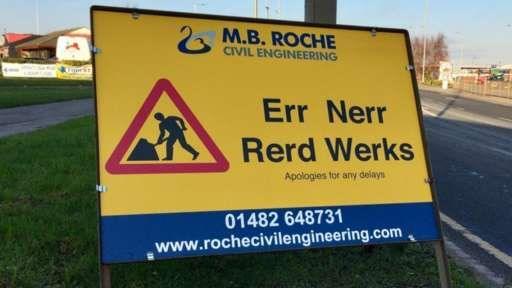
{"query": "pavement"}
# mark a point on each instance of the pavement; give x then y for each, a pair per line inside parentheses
(30, 118)
(470, 145)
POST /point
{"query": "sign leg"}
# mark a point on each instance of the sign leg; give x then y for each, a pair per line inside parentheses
(442, 264)
(105, 276)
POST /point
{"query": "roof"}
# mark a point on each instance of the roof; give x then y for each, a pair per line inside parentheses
(46, 41)
(19, 41)
(14, 37)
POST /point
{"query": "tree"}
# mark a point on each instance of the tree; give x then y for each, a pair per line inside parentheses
(437, 50)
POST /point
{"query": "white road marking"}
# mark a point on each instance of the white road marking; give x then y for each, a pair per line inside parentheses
(498, 150)
(423, 105)
(429, 113)
(484, 273)
(475, 118)
(486, 246)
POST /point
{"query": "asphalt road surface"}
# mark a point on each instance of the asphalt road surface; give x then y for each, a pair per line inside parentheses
(470, 145)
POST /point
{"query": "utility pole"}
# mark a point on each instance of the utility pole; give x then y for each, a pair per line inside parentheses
(425, 13)
(37, 17)
(255, 8)
(320, 11)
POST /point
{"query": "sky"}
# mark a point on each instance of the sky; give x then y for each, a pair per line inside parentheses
(478, 32)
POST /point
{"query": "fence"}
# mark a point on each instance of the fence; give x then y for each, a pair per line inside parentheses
(55, 70)
(484, 87)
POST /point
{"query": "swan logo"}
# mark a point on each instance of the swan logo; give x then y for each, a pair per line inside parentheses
(196, 43)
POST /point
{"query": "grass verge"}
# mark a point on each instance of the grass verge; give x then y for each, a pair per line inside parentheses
(20, 92)
(48, 234)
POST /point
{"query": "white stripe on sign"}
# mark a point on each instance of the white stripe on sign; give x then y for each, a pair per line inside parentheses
(486, 246)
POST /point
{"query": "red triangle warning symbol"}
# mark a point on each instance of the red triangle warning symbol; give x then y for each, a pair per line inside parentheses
(114, 164)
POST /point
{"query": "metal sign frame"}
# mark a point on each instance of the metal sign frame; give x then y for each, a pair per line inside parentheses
(439, 246)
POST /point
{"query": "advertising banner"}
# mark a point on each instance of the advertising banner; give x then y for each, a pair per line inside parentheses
(28, 70)
(83, 72)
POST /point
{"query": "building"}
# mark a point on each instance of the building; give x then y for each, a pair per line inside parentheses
(45, 47)
(9, 42)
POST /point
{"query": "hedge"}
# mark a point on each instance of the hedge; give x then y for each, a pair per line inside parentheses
(25, 60)
(44, 61)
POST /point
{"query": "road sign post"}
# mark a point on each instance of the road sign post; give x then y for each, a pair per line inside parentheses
(439, 247)
(442, 264)
(105, 279)
(241, 135)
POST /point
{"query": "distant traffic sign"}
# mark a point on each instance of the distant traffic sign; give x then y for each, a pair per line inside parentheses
(221, 135)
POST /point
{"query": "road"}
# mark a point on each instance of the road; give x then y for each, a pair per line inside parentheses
(470, 145)
(29, 118)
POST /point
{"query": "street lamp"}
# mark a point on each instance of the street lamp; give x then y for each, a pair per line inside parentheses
(461, 52)
(425, 11)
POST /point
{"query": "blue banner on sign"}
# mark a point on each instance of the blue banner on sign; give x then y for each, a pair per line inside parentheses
(163, 236)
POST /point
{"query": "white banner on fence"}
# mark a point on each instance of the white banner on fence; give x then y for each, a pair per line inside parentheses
(28, 70)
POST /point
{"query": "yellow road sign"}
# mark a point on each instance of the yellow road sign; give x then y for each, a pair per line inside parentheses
(202, 120)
